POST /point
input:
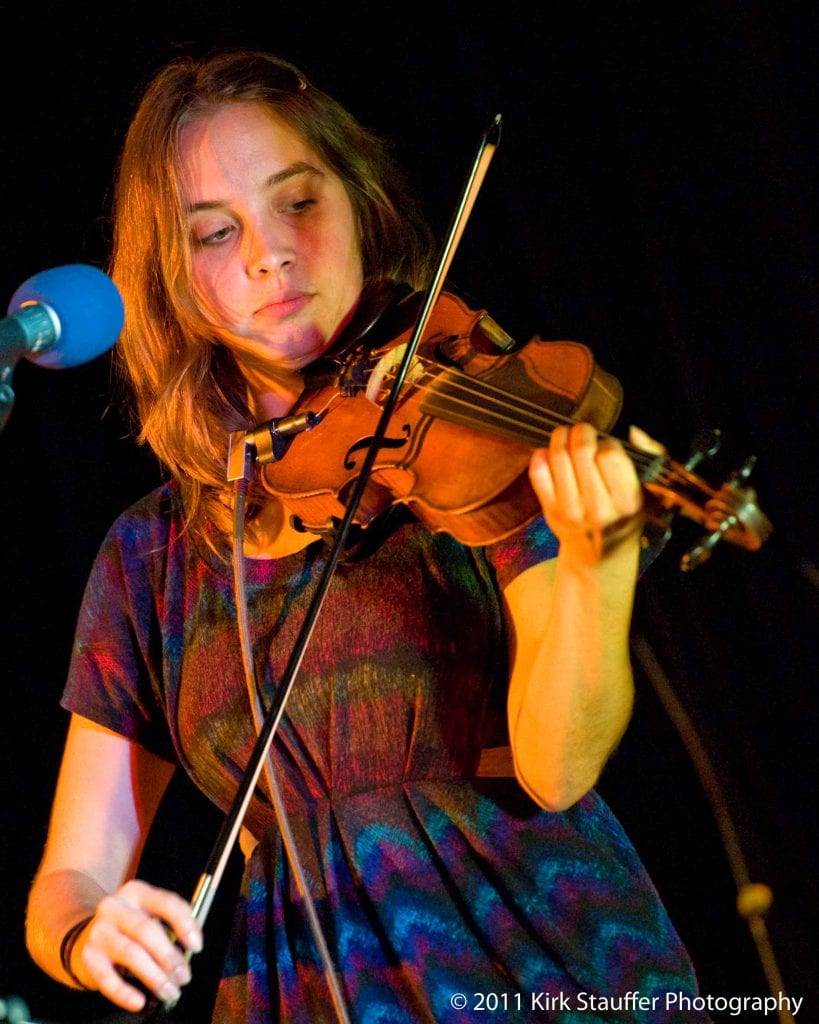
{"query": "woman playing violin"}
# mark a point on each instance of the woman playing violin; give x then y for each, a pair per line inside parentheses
(456, 704)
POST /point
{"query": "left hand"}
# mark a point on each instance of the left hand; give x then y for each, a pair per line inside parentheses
(589, 492)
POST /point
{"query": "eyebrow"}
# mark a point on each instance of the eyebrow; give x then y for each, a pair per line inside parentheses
(292, 171)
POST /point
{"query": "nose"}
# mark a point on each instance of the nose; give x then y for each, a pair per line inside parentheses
(269, 250)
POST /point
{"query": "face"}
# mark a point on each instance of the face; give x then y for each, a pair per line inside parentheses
(273, 235)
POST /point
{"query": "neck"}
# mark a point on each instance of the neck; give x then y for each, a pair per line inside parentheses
(270, 403)
(273, 535)
(272, 392)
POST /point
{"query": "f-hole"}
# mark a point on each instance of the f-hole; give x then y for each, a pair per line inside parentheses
(364, 443)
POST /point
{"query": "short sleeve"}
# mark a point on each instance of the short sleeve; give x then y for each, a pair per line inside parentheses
(536, 543)
(114, 676)
(527, 547)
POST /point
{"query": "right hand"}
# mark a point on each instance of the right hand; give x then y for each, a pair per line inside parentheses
(133, 931)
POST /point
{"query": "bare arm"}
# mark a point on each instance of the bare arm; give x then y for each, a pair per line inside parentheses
(571, 686)
(108, 791)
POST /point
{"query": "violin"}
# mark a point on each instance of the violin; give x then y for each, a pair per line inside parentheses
(470, 411)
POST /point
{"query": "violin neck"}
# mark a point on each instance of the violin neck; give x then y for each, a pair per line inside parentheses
(458, 398)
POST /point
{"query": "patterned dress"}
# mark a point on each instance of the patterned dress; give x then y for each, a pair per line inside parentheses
(444, 893)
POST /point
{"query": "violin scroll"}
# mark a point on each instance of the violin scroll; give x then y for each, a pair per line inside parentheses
(734, 515)
(729, 512)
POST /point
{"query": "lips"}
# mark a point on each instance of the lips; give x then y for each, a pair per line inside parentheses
(286, 306)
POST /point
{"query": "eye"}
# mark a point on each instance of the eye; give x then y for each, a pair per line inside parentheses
(214, 237)
(300, 206)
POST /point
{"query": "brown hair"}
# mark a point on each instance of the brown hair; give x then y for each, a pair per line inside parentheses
(189, 393)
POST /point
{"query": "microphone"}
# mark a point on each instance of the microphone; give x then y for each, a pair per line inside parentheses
(62, 317)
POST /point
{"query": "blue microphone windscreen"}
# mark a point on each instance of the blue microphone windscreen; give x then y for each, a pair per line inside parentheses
(88, 306)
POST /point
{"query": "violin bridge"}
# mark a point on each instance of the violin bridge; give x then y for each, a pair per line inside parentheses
(386, 368)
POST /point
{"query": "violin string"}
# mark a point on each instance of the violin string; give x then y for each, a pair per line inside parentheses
(519, 416)
(492, 404)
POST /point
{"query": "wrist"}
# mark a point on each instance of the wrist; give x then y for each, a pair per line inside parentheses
(69, 941)
(591, 559)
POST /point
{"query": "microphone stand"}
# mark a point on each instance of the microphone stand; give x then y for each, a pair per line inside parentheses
(241, 460)
(754, 899)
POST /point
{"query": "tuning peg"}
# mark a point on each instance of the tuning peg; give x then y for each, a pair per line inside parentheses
(699, 553)
(705, 445)
(741, 475)
(746, 518)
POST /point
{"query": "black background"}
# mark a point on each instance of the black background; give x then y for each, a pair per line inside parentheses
(653, 196)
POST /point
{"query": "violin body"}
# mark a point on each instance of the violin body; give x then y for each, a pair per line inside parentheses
(457, 470)
(461, 430)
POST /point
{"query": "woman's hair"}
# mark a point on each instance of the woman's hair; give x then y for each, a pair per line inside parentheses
(189, 393)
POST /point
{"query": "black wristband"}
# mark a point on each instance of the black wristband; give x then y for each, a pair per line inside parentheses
(67, 947)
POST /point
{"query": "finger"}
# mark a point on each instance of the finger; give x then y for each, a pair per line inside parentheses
(640, 439)
(598, 504)
(619, 478)
(124, 925)
(168, 907)
(568, 481)
(128, 936)
(130, 939)
(100, 956)
(567, 499)
(540, 475)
